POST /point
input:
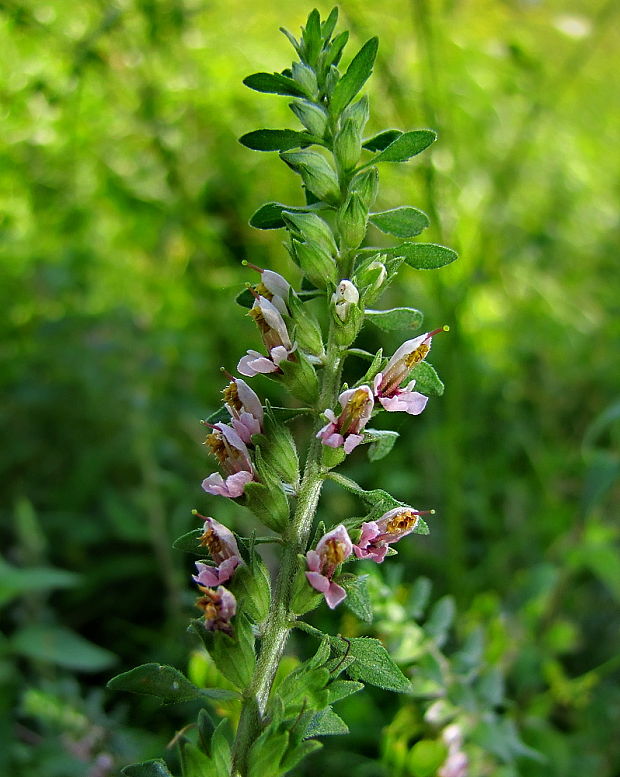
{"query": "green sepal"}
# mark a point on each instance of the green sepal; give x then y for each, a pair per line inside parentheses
(252, 587)
(381, 442)
(154, 768)
(366, 184)
(318, 266)
(395, 318)
(277, 449)
(232, 655)
(316, 173)
(426, 379)
(401, 222)
(376, 365)
(310, 228)
(351, 220)
(358, 598)
(406, 145)
(164, 682)
(304, 689)
(304, 598)
(372, 664)
(354, 79)
(423, 256)
(359, 113)
(311, 115)
(205, 727)
(306, 78)
(348, 145)
(300, 378)
(276, 140)
(274, 83)
(326, 723)
(307, 330)
(382, 140)
(266, 754)
(332, 457)
(268, 503)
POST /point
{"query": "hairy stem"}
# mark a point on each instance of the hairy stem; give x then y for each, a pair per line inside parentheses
(295, 542)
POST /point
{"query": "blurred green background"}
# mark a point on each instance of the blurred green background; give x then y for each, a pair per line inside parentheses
(124, 204)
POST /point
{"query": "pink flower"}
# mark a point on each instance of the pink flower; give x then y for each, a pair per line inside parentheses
(219, 607)
(245, 409)
(223, 549)
(234, 458)
(275, 336)
(331, 550)
(387, 384)
(377, 536)
(273, 287)
(344, 431)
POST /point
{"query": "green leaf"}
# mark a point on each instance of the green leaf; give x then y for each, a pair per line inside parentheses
(424, 256)
(294, 756)
(156, 768)
(372, 664)
(266, 754)
(326, 723)
(376, 365)
(234, 656)
(332, 57)
(312, 37)
(395, 318)
(269, 216)
(419, 597)
(268, 503)
(440, 619)
(381, 442)
(340, 689)
(382, 140)
(426, 756)
(60, 646)
(402, 222)
(427, 380)
(356, 76)
(189, 543)
(274, 83)
(275, 140)
(15, 581)
(358, 598)
(405, 146)
(220, 749)
(165, 682)
(328, 26)
(195, 763)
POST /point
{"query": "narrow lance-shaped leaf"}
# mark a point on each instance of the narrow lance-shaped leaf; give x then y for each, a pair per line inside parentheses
(275, 140)
(402, 222)
(274, 83)
(405, 146)
(356, 76)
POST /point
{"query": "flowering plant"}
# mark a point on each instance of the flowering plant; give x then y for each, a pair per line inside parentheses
(245, 621)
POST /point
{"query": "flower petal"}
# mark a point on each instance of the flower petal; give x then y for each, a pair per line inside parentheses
(334, 595)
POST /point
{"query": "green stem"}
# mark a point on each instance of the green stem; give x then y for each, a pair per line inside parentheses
(295, 543)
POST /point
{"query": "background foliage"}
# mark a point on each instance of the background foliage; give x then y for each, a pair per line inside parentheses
(124, 200)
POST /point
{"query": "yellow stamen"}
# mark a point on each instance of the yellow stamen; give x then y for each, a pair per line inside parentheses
(211, 541)
(231, 396)
(415, 357)
(335, 552)
(215, 442)
(401, 522)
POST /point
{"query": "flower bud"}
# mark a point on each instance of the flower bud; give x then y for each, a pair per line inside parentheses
(253, 588)
(307, 330)
(366, 185)
(348, 145)
(318, 266)
(311, 116)
(359, 113)
(370, 278)
(331, 79)
(316, 172)
(306, 78)
(310, 228)
(351, 220)
(347, 313)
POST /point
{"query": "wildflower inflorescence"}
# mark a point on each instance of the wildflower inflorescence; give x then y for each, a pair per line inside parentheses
(250, 440)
